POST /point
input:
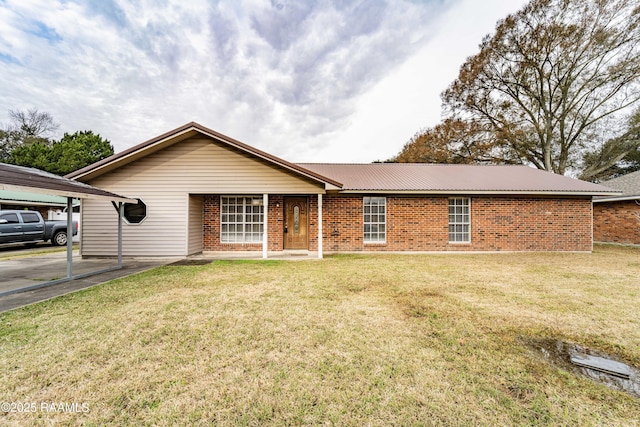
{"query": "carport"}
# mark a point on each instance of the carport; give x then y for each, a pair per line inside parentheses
(18, 178)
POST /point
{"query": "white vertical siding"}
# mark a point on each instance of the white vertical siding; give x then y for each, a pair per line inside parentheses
(164, 180)
(196, 213)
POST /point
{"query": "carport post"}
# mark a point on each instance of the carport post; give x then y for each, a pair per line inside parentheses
(265, 227)
(69, 237)
(120, 214)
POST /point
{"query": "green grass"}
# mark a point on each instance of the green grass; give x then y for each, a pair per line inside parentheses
(351, 340)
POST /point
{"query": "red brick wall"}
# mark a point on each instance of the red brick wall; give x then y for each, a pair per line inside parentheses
(617, 222)
(418, 223)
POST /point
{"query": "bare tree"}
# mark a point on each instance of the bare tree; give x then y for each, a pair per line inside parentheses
(555, 80)
(616, 156)
(32, 124)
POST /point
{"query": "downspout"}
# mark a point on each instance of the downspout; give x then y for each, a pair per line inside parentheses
(319, 226)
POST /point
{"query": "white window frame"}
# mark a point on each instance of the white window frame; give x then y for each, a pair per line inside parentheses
(246, 226)
(459, 210)
(374, 220)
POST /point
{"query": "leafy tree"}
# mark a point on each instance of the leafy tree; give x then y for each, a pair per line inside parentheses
(33, 155)
(553, 82)
(78, 150)
(70, 153)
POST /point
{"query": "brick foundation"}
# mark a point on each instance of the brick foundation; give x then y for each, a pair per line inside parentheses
(420, 223)
(617, 222)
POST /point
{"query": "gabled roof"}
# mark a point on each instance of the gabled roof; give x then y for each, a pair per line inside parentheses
(184, 132)
(453, 179)
(374, 177)
(19, 178)
(628, 185)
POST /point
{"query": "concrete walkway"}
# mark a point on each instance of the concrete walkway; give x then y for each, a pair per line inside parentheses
(26, 271)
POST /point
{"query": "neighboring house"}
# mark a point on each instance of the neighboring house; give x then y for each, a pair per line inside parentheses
(32, 201)
(616, 219)
(201, 191)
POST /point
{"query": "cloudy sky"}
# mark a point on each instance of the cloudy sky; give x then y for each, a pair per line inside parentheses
(306, 80)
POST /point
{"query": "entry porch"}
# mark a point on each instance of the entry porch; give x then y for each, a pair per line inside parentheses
(256, 223)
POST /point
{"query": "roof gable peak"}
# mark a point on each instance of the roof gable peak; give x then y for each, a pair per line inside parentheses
(184, 132)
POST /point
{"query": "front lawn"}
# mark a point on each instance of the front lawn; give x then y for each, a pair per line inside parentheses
(351, 340)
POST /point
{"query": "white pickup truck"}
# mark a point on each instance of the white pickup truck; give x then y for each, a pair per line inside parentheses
(28, 227)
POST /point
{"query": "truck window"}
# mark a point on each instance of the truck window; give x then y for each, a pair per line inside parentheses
(10, 217)
(30, 217)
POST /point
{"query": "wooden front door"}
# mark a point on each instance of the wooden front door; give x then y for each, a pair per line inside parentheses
(296, 223)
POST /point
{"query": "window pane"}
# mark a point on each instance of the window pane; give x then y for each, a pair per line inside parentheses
(459, 220)
(374, 210)
(241, 220)
(135, 213)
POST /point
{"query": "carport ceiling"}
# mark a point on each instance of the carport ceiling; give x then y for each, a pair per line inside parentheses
(19, 178)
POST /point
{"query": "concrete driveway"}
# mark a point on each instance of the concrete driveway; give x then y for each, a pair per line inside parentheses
(23, 269)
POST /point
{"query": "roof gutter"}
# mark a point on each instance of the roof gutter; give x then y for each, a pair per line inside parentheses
(478, 192)
(617, 199)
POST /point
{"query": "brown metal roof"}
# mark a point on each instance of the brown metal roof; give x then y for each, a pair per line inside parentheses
(21, 178)
(374, 177)
(438, 178)
(184, 132)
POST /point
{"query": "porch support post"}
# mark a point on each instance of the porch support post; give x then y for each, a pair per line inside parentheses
(265, 227)
(69, 237)
(120, 215)
(320, 226)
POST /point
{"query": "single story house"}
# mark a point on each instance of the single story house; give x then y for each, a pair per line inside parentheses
(616, 218)
(201, 191)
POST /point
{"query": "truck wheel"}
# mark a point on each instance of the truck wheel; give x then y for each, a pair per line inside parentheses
(59, 239)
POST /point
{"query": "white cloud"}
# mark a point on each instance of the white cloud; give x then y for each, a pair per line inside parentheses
(318, 81)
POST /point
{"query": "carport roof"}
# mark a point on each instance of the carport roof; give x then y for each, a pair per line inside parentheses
(20, 178)
(10, 196)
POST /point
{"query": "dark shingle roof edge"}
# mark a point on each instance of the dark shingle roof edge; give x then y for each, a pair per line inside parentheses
(628, 185)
